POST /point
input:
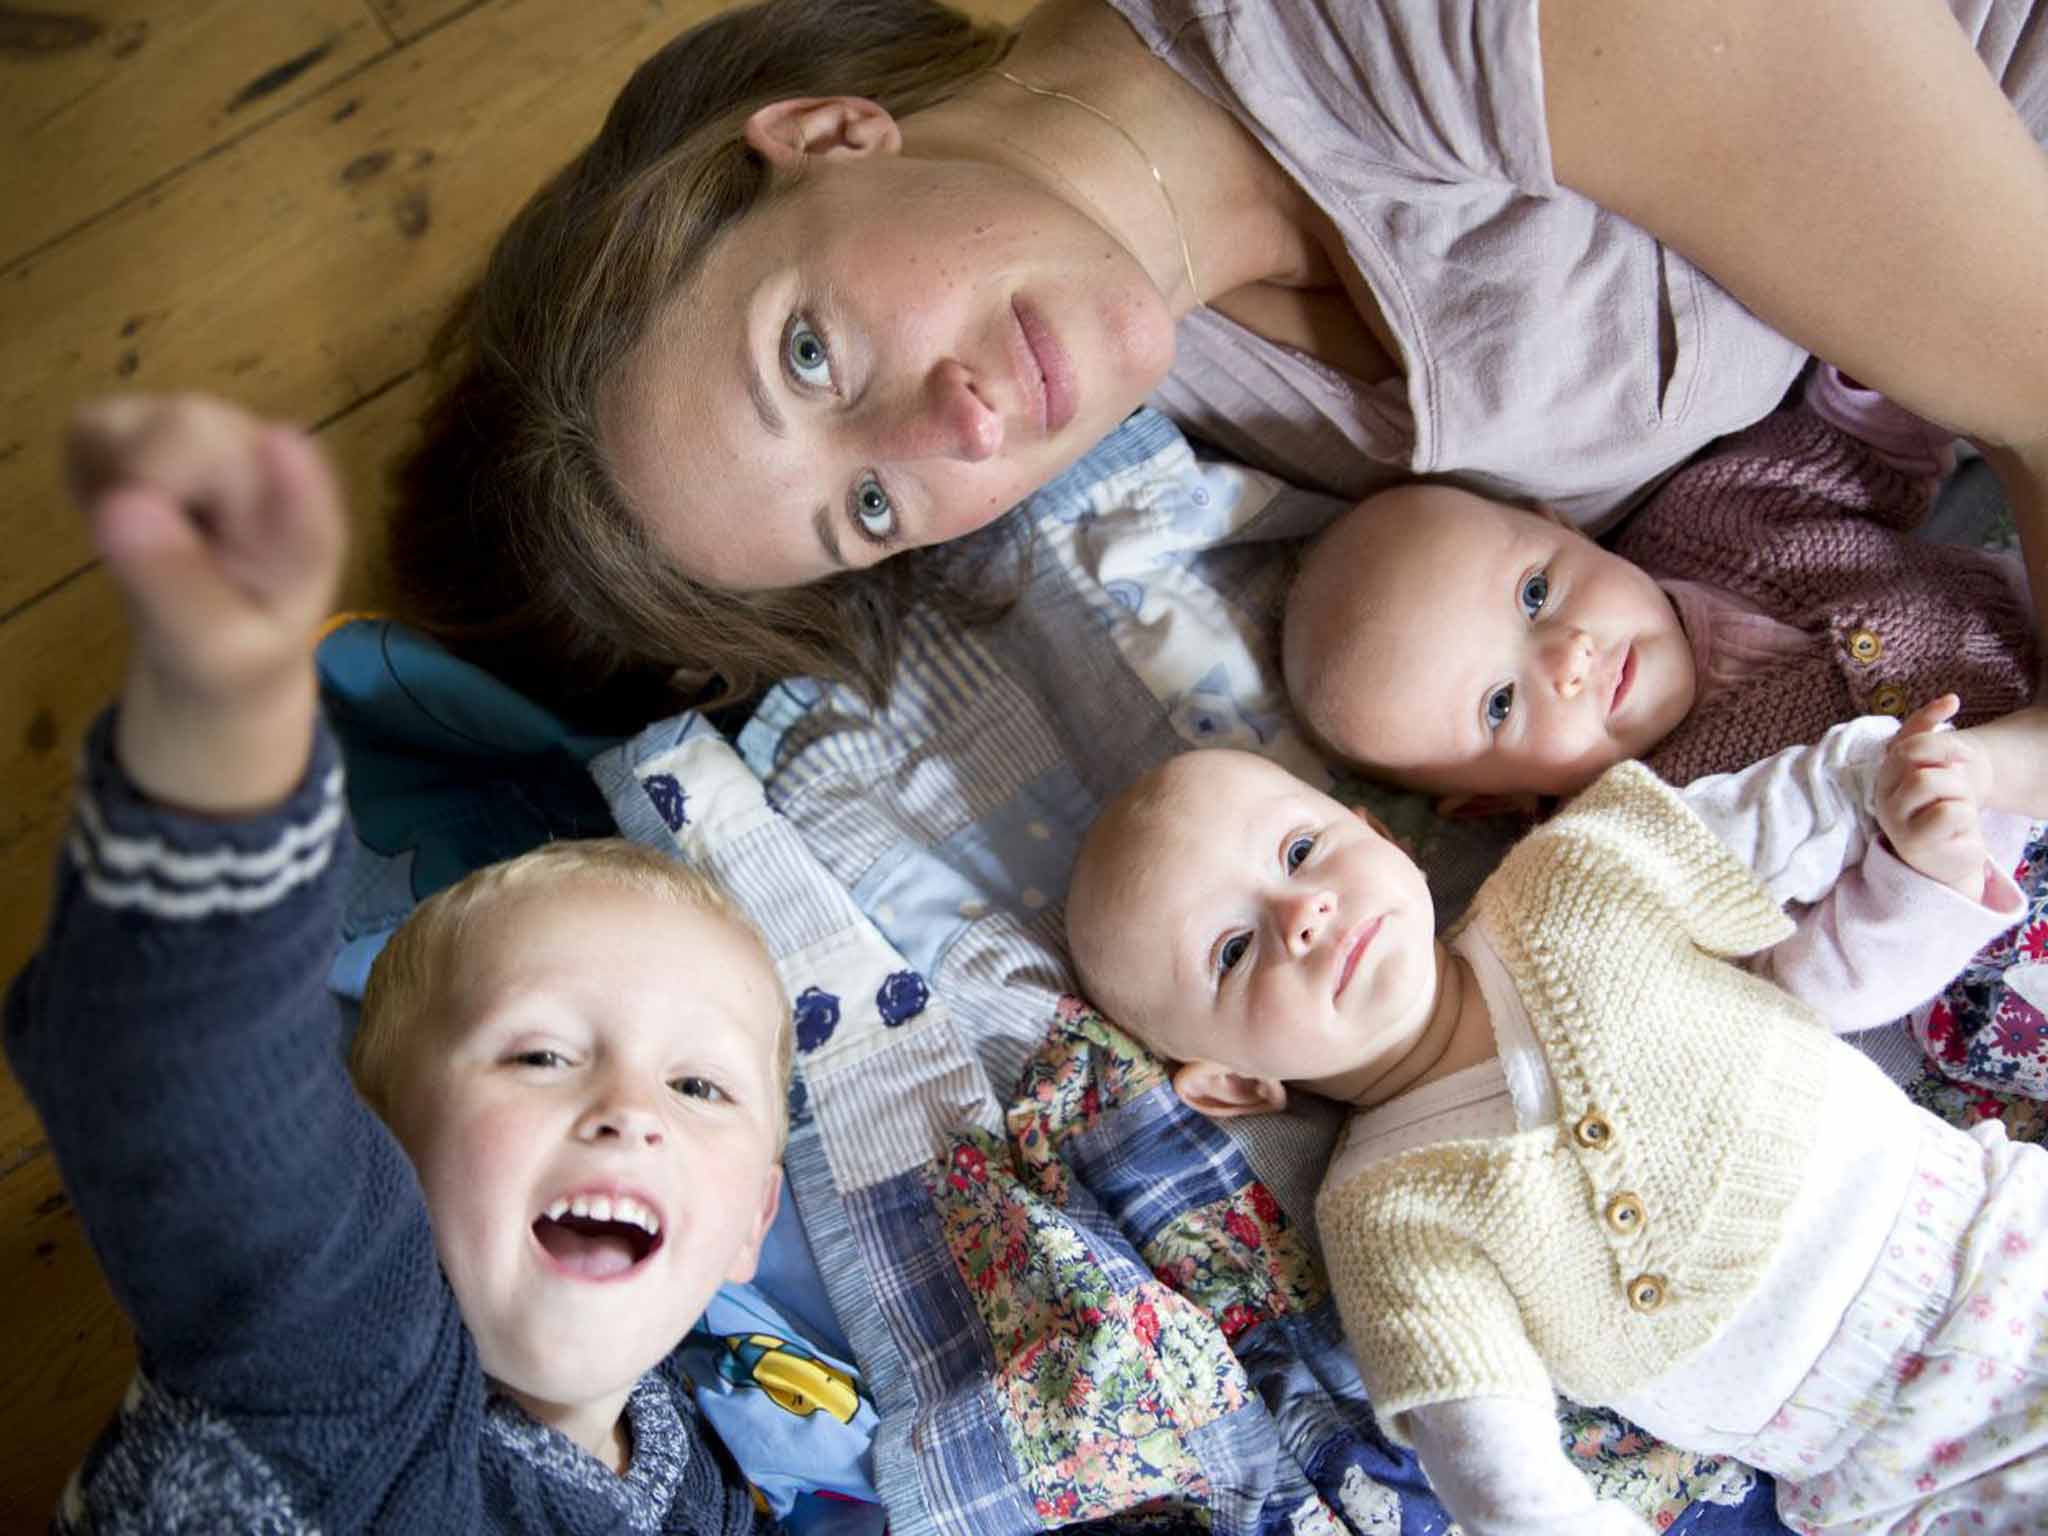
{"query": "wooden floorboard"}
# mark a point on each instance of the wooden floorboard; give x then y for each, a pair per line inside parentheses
(77, 92)
(271, 199)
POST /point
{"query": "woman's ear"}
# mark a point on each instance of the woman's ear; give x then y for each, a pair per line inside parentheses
(1374, 822)
(785, 132)
(1219, 1093)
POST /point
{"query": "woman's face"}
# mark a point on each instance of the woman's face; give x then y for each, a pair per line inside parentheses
(890, 353)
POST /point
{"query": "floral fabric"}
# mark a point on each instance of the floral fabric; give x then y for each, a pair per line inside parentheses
(1989, 1027)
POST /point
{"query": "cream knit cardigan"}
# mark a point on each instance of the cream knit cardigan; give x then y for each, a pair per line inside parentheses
(1510, 1266)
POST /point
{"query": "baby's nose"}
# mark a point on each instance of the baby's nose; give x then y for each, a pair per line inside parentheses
(1306, 917)
(1571, 658)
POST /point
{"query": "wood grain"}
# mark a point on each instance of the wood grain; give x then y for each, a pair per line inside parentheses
(99, 101)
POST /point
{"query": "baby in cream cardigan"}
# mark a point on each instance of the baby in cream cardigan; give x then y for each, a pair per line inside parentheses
(1602, 1144)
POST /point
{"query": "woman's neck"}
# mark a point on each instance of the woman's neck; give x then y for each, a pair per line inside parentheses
(1245, 220)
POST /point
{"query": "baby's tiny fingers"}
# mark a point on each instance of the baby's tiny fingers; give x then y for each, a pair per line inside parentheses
(1935, 712)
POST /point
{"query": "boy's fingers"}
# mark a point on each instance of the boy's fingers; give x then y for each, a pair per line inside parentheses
(196, 451)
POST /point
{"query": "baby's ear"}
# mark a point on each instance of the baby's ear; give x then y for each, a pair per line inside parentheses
(1220, 1093)
(1479, 807)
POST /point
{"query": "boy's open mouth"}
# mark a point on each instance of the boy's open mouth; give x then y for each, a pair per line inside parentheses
(598, 1237)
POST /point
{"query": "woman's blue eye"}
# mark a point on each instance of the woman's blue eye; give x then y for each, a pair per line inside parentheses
(1535, 592)
(873, 512)
(697, 1088)
(805, 355)
(1499, 705)
(1298, 852)
(1232, 951)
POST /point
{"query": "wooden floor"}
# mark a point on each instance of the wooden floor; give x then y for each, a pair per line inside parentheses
(272, 200)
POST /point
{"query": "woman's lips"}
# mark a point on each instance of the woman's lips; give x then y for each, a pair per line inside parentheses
(1361, 937)
(1055, 368)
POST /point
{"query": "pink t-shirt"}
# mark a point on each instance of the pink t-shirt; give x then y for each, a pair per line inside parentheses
(1551, 350)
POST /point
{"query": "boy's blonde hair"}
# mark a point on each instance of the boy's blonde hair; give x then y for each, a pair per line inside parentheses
(402, 984)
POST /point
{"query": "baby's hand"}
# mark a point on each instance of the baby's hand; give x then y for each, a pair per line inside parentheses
(1930, 795)
(225, 534)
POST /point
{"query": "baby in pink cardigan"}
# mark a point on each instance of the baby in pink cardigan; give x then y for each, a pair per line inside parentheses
(1491, 655)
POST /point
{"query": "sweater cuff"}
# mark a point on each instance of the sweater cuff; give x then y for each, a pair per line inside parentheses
(128, 851)
(1908, 443)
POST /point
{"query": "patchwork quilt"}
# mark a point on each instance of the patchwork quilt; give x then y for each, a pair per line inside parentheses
(1073, 1299)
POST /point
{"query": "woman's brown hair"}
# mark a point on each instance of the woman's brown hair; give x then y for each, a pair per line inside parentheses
(511, 543)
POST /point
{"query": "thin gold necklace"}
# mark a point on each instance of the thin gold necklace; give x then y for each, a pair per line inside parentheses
(1187, 260)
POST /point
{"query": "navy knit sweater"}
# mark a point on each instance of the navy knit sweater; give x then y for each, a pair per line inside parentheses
(303, 1365)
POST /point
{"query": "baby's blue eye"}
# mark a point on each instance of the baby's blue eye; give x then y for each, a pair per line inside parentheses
(874, 514)
(697, 1088)
(1535, 592)
(805, 355)
(540, 1057)
(1499, 705)
(1232, 951)
(1298, 852)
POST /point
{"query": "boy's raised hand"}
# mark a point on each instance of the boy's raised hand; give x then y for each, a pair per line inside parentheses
(1931, 790)
(225, 534)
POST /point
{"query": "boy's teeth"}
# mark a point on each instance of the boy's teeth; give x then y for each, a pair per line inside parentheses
(607, 1208)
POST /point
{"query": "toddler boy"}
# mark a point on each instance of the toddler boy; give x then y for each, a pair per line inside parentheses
(456, 1312)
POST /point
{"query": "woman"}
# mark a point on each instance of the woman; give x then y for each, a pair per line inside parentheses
(839, 280)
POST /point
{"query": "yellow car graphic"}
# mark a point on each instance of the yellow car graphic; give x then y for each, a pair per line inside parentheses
(794, 1378)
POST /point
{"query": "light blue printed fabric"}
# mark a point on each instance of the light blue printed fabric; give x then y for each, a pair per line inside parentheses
(1072, 1299)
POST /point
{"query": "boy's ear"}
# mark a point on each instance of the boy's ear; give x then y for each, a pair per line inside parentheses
(1220, 1093)
(748, 1256)
(785, 132)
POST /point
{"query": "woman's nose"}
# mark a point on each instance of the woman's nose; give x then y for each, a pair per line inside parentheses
(943, 417)
(1304, 917)
(1569, 660)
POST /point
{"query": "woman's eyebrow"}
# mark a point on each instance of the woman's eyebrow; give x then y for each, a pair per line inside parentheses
(828, 535)
(757, 390)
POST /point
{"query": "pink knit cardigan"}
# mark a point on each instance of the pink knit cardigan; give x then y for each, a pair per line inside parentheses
(1805, 521)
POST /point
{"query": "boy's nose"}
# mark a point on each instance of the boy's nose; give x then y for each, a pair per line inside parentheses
(1304, 917)
(1570, 660)
(944, 416)
(616, 1117)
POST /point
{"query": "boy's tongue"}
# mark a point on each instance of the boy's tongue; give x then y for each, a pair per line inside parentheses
(593, 1248)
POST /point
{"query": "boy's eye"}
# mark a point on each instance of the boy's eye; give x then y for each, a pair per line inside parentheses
(1535, 592)
(1232, 951)
(1298, 852)
(698, 1088)
(805, 354)
(540, 1057)
(1499, 705)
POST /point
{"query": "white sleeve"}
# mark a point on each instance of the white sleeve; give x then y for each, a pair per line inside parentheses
(1802, 816)
(1499, 1468)
(1876, 938)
